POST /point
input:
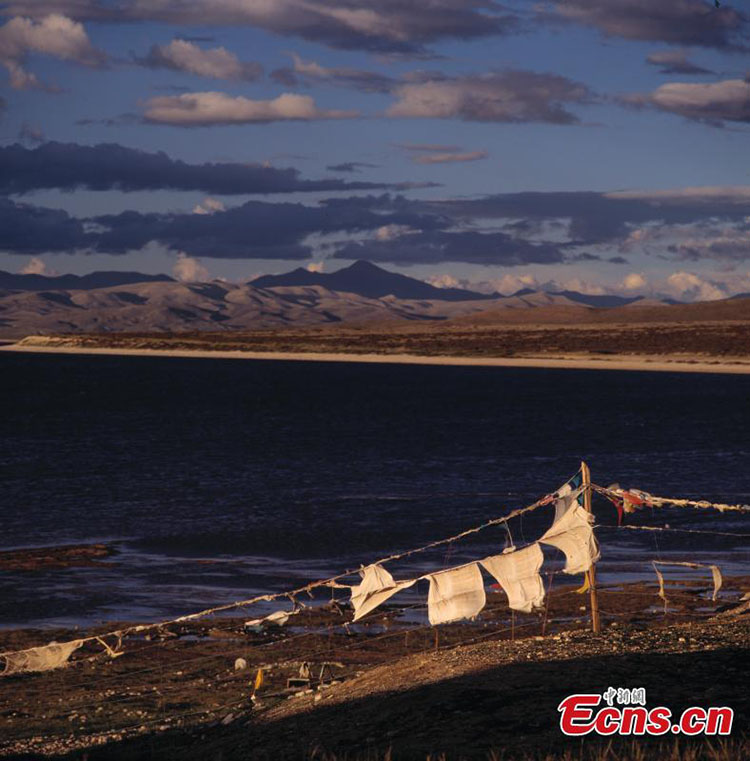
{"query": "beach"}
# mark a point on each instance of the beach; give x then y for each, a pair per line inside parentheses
(639, 363)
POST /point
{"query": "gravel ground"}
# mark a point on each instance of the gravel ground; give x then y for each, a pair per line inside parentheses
(392, 691)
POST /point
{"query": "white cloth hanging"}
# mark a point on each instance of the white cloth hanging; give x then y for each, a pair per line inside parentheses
(518, 574)
(279, 618)
(377, 586)
(43, 658)
(715, 574)
(572, 533)
(455, 594)
(565, 498)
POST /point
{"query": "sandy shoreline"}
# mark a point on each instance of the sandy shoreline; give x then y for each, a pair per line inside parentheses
(566, 362)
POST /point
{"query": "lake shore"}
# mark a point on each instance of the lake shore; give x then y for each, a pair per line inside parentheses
(639, 363)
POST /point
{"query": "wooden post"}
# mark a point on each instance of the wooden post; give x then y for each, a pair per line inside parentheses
(591, 573)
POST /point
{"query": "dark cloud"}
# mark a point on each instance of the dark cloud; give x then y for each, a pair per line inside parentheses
(675, 62)
(713, 102)
(26, 229)
(384, 26)
(681, 22)
(67, 166)
(510, 96)
(603, 217)
(350, 166)
(688, 224)
(252, 230)
(439, 246)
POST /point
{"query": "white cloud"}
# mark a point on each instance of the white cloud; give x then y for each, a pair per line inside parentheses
(444, 281)
(206, 108)
(691, 287)
(507, 284)
(188, 269)
(54, 35)
(209, 206)
(634, 281)
(215, 63)
(391, 232)
(714, 102)
(36, 266)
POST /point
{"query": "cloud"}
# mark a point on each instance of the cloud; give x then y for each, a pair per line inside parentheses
(437, 246)
(634, 281)
(727, 245)
(53, 35)
(687, 286)
(675, 62)
(384, 26)
(215, 63)
(429, 147)
(598, 218)
(202, 109)
(449, 158)
(714, 102)
(108, 166)
(209, 206)
(35, 266)
(391, 232)
(350, 166)
(310, 71)
(253, 230)
(188, 269)
(511, 230)
(30, 134)
(682, 22)
(444, 281)
(511, 96)
(26, 229)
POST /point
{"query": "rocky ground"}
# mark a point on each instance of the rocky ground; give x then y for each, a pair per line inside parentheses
(392, 686)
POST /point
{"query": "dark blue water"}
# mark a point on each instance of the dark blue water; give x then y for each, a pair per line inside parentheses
(279, 472)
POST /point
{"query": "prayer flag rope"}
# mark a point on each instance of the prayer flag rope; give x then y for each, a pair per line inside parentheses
(649, 500)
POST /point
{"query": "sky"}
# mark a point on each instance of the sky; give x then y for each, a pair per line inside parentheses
(591, 145)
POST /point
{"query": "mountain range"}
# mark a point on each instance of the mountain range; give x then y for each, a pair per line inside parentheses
(31, 282)
(358, 294)
(369, 280)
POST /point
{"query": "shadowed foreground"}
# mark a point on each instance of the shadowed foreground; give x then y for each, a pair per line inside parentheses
(507, 709)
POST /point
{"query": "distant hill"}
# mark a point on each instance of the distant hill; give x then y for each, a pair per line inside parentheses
(368, 280)
(13, 282)
(602, 301)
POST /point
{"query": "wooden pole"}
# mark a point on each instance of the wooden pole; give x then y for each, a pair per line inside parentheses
(591, 573)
